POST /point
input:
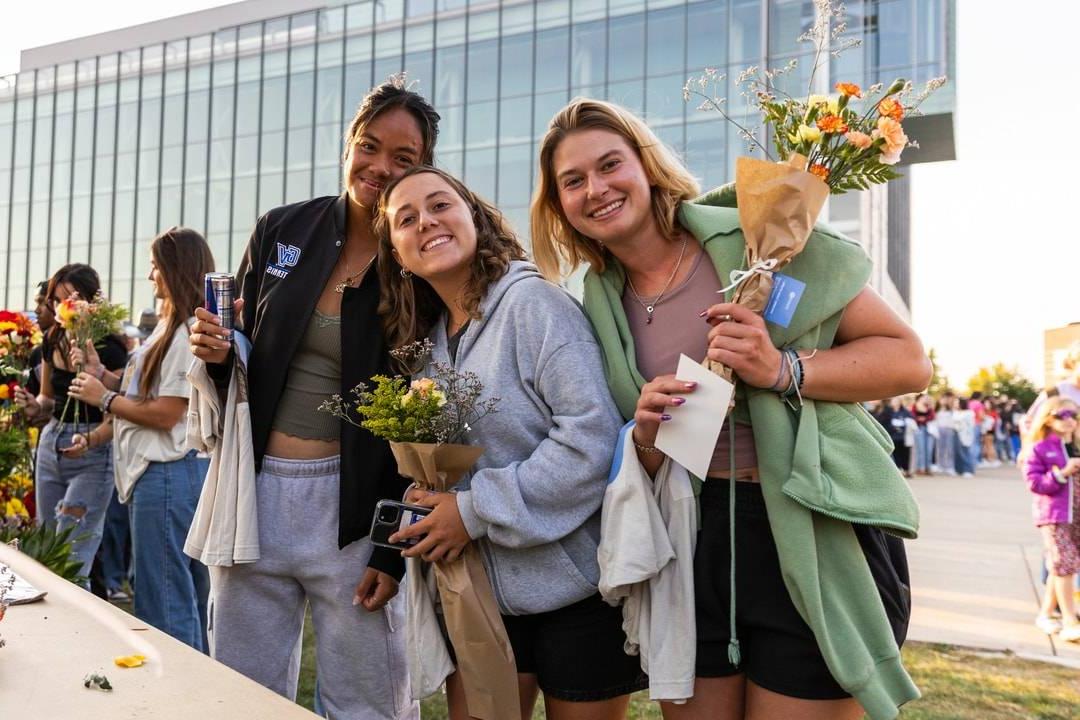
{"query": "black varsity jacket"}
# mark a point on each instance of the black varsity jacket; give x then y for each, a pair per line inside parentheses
(288, 262)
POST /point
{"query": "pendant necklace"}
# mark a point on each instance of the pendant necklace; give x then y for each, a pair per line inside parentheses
(651, 306)
(350, 279)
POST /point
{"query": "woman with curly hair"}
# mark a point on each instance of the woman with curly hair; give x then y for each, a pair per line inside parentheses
(452, 271)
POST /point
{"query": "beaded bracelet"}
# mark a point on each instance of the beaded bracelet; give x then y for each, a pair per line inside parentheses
(107, 400)
(647, 449)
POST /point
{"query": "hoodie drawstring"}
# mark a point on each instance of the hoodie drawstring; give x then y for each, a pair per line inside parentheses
(733, 652)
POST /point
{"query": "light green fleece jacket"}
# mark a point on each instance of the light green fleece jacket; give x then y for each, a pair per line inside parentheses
(822, 467)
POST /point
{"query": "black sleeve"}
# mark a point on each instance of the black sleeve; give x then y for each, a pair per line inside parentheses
(387, 561)
(33, 382)
(113, 354)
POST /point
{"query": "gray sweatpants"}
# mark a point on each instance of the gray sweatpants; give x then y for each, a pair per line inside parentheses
(257, 609)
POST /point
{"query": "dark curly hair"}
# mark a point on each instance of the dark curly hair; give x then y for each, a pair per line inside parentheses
(410, 307)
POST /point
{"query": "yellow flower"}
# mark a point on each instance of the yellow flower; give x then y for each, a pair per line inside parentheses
(130, 661)
(8, 326)
(406, 399)
(805, 133)
(32, 433)
(831, 104)
(440, 397)
(15, 508)
(4, 392)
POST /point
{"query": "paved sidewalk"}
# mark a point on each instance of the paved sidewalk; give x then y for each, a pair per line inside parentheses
(976, 565)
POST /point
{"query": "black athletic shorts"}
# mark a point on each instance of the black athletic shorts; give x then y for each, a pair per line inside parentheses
(576, 652)
(779, 652)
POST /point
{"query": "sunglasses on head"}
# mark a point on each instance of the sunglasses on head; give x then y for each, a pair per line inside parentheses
(1065, 415)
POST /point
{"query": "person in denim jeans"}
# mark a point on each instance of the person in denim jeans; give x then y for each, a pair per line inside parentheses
(71, 489)
(923, 410)
(155, 473)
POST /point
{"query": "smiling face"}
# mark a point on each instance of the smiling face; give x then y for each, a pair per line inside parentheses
(431, 229)
(384, 149)
(157, 282)
(1063, 421)
(603, 188)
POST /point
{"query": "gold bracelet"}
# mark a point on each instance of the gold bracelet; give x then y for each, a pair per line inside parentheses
(647, 449)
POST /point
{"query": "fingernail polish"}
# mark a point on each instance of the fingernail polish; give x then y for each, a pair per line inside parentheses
(691, 385)
(665, 417)
(355, 600)
(703, 313)
(678, 401)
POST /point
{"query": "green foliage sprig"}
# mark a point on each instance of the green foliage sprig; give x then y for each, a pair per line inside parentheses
(440, 408)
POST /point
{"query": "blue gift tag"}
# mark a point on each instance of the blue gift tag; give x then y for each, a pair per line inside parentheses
(785, 297)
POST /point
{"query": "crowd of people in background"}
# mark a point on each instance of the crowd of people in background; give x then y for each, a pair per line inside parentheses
(952, 434)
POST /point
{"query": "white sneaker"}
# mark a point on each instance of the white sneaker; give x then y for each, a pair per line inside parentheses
(967, 474)
(1070, 633)
(1048, 624)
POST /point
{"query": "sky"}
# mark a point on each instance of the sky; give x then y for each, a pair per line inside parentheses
(994, 254)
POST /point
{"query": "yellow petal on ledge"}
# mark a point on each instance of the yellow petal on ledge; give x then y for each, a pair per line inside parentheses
(130, 661)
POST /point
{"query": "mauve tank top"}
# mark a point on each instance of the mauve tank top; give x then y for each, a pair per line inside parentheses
(676, 329)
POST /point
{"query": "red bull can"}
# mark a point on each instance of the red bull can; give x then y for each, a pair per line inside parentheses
(220, 293)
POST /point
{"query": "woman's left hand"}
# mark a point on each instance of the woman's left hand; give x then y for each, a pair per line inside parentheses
(87, 388)
(740, 340)
(445, 533)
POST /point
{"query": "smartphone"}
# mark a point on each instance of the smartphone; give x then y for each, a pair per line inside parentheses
(391, 516)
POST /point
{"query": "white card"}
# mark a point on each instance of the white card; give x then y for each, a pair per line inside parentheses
(690, 436)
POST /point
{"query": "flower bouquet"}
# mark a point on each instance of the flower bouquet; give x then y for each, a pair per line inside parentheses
(824, 144)
(18, 336)
(425, 422)
(87, 321)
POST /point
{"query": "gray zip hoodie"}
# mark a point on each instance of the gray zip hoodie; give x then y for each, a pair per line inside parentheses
(532, 503)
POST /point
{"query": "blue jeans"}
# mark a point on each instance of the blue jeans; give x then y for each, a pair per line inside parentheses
(924, 449)
(964, 454)
(170, 588)
(74, 492)
(975, 451)
(114, 544)
(1003, 448)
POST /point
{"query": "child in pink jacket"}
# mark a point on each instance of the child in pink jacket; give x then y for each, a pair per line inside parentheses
(1052, 477)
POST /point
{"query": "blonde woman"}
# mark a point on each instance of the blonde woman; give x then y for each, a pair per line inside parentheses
(613, 197)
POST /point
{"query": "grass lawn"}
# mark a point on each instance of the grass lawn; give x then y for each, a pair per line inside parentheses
(956, 685)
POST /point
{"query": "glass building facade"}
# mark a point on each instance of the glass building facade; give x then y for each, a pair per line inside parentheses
(208, 130)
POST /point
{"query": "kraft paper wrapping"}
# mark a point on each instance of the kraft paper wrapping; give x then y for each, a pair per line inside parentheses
(485, 659)
(778, 205)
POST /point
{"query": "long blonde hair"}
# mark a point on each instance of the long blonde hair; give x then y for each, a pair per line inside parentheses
(556, 245)
(1040, 424)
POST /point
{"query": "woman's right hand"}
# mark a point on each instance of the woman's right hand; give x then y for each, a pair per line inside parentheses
(1072, 468)
(87, 359)
(656, 397)
(208, 340)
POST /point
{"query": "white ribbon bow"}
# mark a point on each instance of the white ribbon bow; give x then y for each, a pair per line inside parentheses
(761, 267)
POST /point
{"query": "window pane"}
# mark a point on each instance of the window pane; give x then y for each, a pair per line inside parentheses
(589, 60)
(552, 51)
(666, 31)
(515, 174)
(516, 65)
(301, 97)
(626, 48)
(483, 59)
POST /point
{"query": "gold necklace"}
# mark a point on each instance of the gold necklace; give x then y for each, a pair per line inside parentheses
(651, 306)
(350, 279)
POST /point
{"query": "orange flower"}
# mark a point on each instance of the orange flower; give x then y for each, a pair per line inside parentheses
(849, 89)
(891, 108)
(820, 171)
(859, 139)
(832, 124)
